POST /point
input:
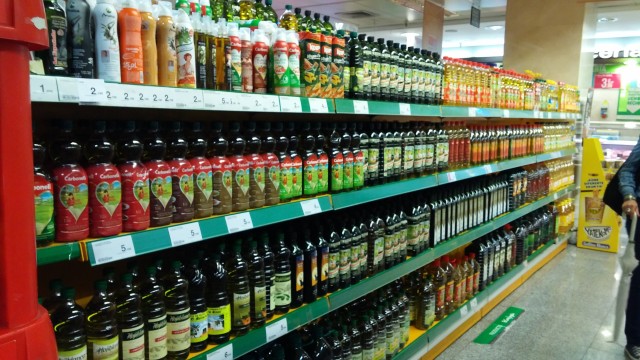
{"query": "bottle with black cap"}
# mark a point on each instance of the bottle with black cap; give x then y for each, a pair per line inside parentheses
(222, 171)
(181, 173)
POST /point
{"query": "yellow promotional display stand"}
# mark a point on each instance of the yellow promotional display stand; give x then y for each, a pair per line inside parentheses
(598, 225)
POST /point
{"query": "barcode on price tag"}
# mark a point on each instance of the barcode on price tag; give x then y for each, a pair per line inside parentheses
(67, 89)
(360, 107)
(405, 109)
(290, 104)
(239, 222)
(451, 176)
(221, 100)
(224, 353)
(318, 106)
(473, 112)
(310, 207)
(91, 90)
(43, 88)
(111, 250)
(184, 234)
(464, 310)
(473, 303)
(276, 330)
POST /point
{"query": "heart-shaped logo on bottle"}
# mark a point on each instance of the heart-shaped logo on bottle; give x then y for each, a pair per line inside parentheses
(141, 193)
(74, 198)
(161, 190)
(242, 179)
(186, 186)
(204, 182)
(258, 176)
(274, 174)
(109, 195)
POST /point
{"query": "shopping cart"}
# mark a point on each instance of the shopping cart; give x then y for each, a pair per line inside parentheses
(628, 263)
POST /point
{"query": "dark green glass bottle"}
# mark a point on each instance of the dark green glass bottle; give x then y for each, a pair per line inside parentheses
(55, 58)
(68, 326)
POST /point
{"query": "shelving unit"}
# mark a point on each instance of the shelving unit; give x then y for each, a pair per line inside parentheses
(303, 315)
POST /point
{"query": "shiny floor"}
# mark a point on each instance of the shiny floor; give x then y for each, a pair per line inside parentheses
(568, 314)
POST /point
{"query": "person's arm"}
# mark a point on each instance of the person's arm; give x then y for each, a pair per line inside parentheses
(627, 187)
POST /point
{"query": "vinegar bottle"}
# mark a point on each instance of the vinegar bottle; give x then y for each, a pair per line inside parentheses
(129, 34)
(182, 173)
(135, 181)
(161, 189)
(44, 200)
(240, 174)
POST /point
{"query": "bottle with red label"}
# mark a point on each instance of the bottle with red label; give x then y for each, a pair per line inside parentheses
(202, 172)
(440, 282)
(296, 162)
(309, 160)
(345, 145)
(240, 166)
(323, 159)
(43, 199)
(71, 187)
(336, 159)
(160, 181)
(135, 181)
(256, 167)
(271, 166)
(282, 145)
(260, 61)
(222, 172)
(182, 172)
(105, 185)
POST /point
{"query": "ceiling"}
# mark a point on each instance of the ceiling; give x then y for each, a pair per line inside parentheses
(391, 20)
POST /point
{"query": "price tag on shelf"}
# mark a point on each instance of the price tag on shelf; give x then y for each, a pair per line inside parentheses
(266, 103)
(110, 250)
(360, 107)
(184, 234)
(222, 101)
(473, 112)
(405, 109)
(43, 88)
(536, 114)
(451, 176)
(158, 97)
(222, 353)
(239, 222)
(145, 97)
(318, 106)
(464, 311)
(67, 89)
(473, 303)
(487, 169)
(310, 207)
(549, 115)
(121, 95)
(290, 104)
(506, 113)
(276, 329)
(91, 90)
(188, 99)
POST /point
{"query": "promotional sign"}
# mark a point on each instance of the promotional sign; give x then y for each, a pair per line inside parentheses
(607, 81)
(598, 226)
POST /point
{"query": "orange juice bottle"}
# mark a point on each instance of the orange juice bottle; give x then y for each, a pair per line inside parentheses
(129, 33)
(166, 48)
(149, 49)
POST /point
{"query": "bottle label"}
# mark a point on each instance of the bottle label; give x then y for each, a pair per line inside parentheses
(366, 81)
(199, 327)
(71, 203)
(286, 178)
(133, 343)
(241, 309)
(400, 84)
(281, 67)
(324, 264)
(186, 57)
(388, 161)
(282, 295)
(364, 255)
(378, 250)
(178, 330)
(384, 77)
(236, 63)
(219, 319)
(375, 76)
(157, 337)
(57, 41)
(408, 159)
(337, 171)
(323, 173)
(260, 305)
(299, 275)
(77, 354)
(397, 159)
(368, 354)
(334, 264)
(247, 66)
(358, 169)
(182, 181)
(240, 175)
(43, 198)
(408, 76)
(345, 261)
(203, 173)
(135, 196)
(449, 291)
(103, 349)
(222, 187)
(311, 175)
(413, 235)
(296, 176)
(256, 178)
(429, 311)
(393, 78)
(272, 293)
(272, 178)
(373, 159)
(457, 293)
(161, 186)
(260, 57)
(360, 76)
(355, 258)
(347, 182)
(388, 245)
(294, 68)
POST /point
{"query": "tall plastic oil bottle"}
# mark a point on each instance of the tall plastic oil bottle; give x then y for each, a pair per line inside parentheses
(239, 290)
(218, 304)
(135, 181)
(176, 297)
(203, 172)
(69, 327)
(100, 324)
(182, 174)
(155, 316)
(166, 47)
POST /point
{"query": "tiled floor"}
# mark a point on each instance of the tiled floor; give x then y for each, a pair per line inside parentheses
(568, 314)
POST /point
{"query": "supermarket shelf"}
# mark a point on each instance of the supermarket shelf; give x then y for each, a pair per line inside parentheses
(618, 142)
(255, 339)
(471, 112)
(433, 341)
(556, 154)
(124, 246)
(486, 169)
(373, 193)
(58, 252)
(347, 106)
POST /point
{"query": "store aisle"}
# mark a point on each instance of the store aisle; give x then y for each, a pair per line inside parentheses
(568, 314)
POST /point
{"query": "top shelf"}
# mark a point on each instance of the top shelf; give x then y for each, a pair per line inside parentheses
(96, 92)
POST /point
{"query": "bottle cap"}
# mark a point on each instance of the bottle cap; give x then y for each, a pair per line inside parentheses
(288, 6)
(69, 293)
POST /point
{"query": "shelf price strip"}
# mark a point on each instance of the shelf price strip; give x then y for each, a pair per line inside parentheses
(276, 330)
(224, 353)
(110, 250)
(185, 234)
(239, 222)
(311, 207)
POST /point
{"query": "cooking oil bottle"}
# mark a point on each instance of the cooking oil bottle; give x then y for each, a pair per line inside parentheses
(288, 19)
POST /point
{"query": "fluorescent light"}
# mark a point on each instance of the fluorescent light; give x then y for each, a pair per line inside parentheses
(607, 19)
(494, 27)
(410, 34)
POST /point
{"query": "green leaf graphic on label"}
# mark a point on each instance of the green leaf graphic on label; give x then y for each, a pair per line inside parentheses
(204, 182)
(109, 195)
(161, 189)
(141, 193)
(242, 179)
(186, 186)
(75, 199)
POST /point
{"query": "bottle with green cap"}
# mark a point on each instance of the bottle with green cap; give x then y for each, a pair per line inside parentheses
(176, 297)
(130, 321)
(101, 325)
(288, 19)
(55, 295)
(356, 65)
(257, 283)
(327, 25)
(259, 7)
(269, 13)
(218, 305)
(366, 66)
(68, 327)
(238, 290)
(155, 315)
(199, 315)
(317, 22)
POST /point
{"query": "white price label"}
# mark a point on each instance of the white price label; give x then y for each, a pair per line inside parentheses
(487, 169)
(318, 106)
(473, 112)
(360, 107)
(43, 88)
(122, 95)
(145, 96)
(451, 176)
(549, 115)
(506, 114)
(91, 90)
(188, 99)
(266, 103)
(290, 104)
(223, 353)
(184, 234)
(276, 330)
(157, 97)
(115, 249)
(464, 311)
(405, 109)
(67, 89)
(222, 100)
(537, 114)
(239, 222)
(473, 303)
(310, 207)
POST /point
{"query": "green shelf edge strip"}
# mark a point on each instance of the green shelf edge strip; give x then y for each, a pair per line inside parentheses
(58, 252)
(379, 192)
(251, 341)
(422, 342)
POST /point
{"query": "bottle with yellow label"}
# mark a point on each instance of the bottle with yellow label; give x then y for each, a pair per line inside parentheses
(218, 306)
(68, 327)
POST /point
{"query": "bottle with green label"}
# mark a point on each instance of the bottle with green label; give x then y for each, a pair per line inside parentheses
(358, 158)
(376, 57)
(347, 154)
(356, 66)
(285, 171)
(366, 66)
(282, 285)
(296, 161)
(385, 70)
(257, 283)
(268, 257)
(269, 13)
(306, 22)
(155, 316)
(68, 327)
(238, 290)
(130, 320)
(197, 301)
(336, 159)
(335, 244)
(218, 305)
(101, 325)
(43, 198)
(176, 297)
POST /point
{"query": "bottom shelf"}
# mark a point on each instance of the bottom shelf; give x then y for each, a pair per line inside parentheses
(429, 344)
